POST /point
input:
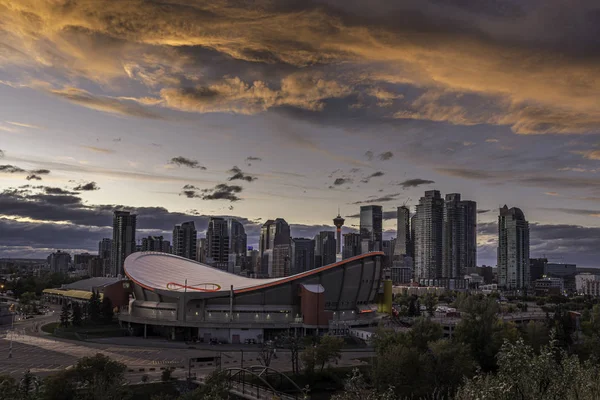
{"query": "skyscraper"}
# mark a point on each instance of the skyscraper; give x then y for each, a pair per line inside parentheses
(104, 254)
(184, 240)
(59, 262)
(156, 243)
(303, 255)
(338, 222)
(325, 248)
(274, 234)
(371, 228)
(123, 241)
(238, 243)
(513, 249)
(460, 236)
(201, 250)
(217, 243)
(351, 245)
(402, 245)
(429, 236)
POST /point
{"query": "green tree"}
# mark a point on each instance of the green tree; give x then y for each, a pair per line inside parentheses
(536, 335)
(423, 332)
(94, 306)
(101, 378)
(448, 364)
(481, 329)
(9, 389)
(523, 374)
(28, 386)
(106, 310)
(167, 375)
(430, 301)
(60, 386)
(215, 387)
(76, 317)
(402, 369)
(65, 315)
(309, 359)
(356, 388)
(329, 349)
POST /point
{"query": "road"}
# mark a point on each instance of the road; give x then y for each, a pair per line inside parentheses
(44, 354)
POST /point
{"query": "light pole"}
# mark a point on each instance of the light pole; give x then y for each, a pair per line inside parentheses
(12, 332)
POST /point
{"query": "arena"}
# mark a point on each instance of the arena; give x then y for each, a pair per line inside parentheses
(186, 300)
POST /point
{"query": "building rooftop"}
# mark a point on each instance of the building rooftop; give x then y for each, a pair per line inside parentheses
(162, 271)
(91, 283)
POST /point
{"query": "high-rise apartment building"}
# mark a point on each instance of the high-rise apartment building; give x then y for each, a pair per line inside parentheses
(201, 249)
(217, 243)
(282, 260)
(274, 233)
(352, 245)
(238, 244)
(428, 237)
(59, 262)
(371, 228)
(513, 249)
(104, 254)
(185, 240)
(123, 241)
(303, 255)
(156, 243)
(459, 236)
(252, 261)
(325, 248)
(402, 245)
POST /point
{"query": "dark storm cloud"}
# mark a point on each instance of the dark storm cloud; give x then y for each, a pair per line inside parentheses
(415, 182)
(575, 211)
(373, 175)
(11, 169)
(87, 187)
(386, 198)
(222, 192)
(54, 190)
(33, 177)
(238, 174)
(369, 155)
(253, 158)
(388, 155)
(186, 162)
(342, 181)
(40, 171)
(387, 215)
(483, 211)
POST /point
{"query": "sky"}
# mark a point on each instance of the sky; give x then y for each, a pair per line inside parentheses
(182, 109)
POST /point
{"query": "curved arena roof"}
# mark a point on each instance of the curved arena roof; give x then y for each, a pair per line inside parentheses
(162, 271)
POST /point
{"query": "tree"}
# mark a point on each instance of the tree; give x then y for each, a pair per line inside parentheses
(76, 317)
(355, 388)
(215, 387)
(167, 375)
(106, 310)
(447, 365)
(294, 344)
(9, 390)
(94, 306)
(430, 301)
(481, 329)
(265, 355)
(309, 359)
(424, 331)
(329, 349)
(65, 315)
(28, 386)
(523, 374)
(536, 335)
(101, 378)
(61, 386)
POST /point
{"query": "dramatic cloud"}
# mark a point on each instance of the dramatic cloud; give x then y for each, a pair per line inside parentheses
(386, 156)
(342, 181)
(373, 175)
(369, 155)
(86, 187)
(386, 198)
(40, 171)
(33, 177)
(483, 211)
(186, 162)
(103, 103)
(1, 153)
(96, 149)
(222, 192)
(11, 169)
(415, 182)
(251, 159)
(238, 174)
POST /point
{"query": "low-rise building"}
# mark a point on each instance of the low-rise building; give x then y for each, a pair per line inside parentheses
(588, 284)
(549, 286)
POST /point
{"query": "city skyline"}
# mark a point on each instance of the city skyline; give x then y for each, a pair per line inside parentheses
(329, 104)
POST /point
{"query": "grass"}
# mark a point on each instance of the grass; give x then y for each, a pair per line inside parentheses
(85, 331)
